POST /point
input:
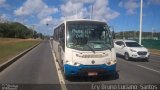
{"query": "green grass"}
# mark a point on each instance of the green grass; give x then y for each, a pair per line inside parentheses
(154, 51)
(11, 47)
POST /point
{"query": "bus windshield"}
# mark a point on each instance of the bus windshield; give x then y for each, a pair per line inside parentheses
(88, 36)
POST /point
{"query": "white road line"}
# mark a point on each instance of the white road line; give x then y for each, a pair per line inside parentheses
(142, 66)
(149, 68)
(60, 76)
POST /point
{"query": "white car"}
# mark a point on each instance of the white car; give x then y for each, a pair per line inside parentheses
(131, 49)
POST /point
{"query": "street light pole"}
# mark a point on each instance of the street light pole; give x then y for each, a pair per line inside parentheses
(140, 31)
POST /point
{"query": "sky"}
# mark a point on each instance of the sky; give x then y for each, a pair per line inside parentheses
(123, 15)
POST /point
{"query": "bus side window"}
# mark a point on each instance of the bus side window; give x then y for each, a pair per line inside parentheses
(62, 36)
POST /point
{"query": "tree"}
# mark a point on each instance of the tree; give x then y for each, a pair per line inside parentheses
(15, 30)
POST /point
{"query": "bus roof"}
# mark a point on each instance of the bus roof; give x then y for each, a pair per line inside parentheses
(83, 20)
(78, 20)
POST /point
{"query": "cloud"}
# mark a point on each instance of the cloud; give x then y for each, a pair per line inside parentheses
(47, 11)
(78, 9)
(3, 3)
(73, 9)
(69, 9)
(36, 7)
(83, 1)
(47, 20)
(153, 2)
(102, 11)
(130, 6)
(3, 17)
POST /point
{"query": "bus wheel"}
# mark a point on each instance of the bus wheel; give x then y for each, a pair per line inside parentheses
(67, 77)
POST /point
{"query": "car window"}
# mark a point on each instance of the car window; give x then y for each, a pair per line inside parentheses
(119, 43)
(122, 43)
(132, 44)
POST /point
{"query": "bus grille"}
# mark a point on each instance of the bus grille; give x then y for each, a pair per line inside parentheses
(92, 56)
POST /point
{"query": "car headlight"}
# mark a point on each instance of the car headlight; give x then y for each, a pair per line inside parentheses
(147, 50)
(133, 50)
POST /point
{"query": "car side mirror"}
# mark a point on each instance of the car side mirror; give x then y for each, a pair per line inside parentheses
(122, 46)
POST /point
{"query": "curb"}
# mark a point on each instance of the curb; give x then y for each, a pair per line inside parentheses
(12, 60)
(154, 53)
(157, 54)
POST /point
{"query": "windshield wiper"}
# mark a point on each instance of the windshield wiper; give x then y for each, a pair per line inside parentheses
(90, 48)
(108, 47)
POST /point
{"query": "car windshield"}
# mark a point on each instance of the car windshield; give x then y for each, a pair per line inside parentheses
(132, 44)
(88, 36)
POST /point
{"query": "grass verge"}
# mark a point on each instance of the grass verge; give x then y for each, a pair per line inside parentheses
(154, 51)
(10, 47)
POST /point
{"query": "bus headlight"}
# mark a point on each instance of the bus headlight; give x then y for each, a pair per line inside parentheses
(111, 62)
(72, 63)
(114, 61)
(76, 64)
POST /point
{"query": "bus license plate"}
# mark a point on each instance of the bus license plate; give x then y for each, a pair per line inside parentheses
(92, 74)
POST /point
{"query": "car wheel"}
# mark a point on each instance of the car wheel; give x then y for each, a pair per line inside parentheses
(147, 60)
(126, 56)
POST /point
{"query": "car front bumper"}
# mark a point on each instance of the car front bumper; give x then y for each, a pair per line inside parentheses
(136, 56)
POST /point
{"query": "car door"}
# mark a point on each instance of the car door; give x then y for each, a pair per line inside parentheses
(117, 47)
(122, 48)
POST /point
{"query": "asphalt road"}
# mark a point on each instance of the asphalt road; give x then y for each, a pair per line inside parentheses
(34, 69)
(37, 70)
(128, 72)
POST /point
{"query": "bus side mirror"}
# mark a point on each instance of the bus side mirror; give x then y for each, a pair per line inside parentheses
(61, 40)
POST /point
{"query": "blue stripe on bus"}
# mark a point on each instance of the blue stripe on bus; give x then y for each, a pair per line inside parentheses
(71, 70)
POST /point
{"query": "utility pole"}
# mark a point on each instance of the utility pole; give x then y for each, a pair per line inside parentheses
(91, 12)
(152, 32)
(123, 35)
(140, 31)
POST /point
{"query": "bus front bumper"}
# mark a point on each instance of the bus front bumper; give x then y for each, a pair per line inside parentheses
(85, 70)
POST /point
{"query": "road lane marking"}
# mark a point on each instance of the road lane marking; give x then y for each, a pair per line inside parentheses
(60, 76)
(149, 68)
(141, 66)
